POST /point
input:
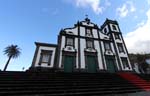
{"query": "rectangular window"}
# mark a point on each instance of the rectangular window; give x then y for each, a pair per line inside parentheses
(120, 47)
(69, 42)
(114, 27)
(46, 56)
(88, 32)
(90, 44)
(117, 36)
(105, 30)
(107, 46)
(125, 62)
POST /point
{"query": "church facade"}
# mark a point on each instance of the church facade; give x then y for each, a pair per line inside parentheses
(86, 47)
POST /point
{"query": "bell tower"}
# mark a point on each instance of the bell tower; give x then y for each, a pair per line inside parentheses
(111, 28)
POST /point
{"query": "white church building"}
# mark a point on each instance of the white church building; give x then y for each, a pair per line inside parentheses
(86, 47)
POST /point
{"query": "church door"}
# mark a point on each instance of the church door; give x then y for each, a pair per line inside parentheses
(110, 62)
(68, 63)
(91, 64)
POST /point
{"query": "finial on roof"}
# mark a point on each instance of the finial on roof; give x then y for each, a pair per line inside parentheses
(86, 16)
(87, 19)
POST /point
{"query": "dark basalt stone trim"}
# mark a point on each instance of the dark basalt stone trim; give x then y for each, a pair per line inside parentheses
(55, 58)
(116, 32)
(79, 23)
(83, 37)
(69, 53)
(127, 52)
(125, 46)
(45, 44)
(57, 55)
(92, 27)
(117, 54)
(79, 51)
(107, 21)
(70, 28)
(115, 48)
(114, 43)
(39, 62)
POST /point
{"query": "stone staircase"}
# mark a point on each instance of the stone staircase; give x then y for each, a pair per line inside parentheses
(64, 84)
(141, 81)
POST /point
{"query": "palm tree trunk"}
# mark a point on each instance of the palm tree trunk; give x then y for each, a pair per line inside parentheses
(7, 63)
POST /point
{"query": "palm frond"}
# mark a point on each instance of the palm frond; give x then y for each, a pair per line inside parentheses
(12, 50)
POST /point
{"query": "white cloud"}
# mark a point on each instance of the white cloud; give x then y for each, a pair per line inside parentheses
(107, 3)
(94, 4)
(138, 41)
(148, 1)
(125, 9)
(140, 24)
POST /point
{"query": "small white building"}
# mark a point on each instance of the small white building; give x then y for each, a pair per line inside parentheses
(86, 47)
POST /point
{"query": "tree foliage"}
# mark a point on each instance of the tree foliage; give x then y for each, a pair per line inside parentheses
(12, 51)
(140, 60)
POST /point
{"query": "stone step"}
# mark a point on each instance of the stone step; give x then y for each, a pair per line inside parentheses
(65, 87)
(70, 92)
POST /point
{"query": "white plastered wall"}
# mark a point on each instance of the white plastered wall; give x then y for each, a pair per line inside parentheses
(62, 46)
(103, 50)
(95, 34)
(73, 30)
(52, 58)
(97, 47)
(76, 47)
(82, 31)
(82, 56)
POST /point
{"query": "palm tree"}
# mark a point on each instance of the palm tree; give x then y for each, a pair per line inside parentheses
(12, 51)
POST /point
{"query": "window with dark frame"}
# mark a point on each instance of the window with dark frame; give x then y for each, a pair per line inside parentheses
(88, 32)
(107, 46)
(117, 36)
(89, 44)
(125, 62)
(114, 27)
(105, 30)
(46, 56)
(69, 41)
(120, 47)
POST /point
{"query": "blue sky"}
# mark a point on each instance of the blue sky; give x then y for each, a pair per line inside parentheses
(23, 22)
